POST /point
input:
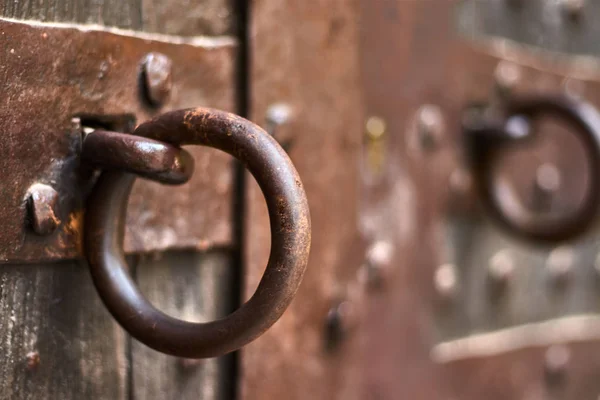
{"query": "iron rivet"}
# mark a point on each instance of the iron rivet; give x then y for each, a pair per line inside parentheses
(501, 269)
(277, 115)
(157, 78)
(507, 76)
(377, 266)
(560, 264)
(446, 281)
(461, 181)
(545, 185)
(341, 317)
(375, 135)
(33, 359)
(375, 128)
(41, 204)
(573, 8)
(518, 126)
(430, 126)
(556, 361)
(574, 88)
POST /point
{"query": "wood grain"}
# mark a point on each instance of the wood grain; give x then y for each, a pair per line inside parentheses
(174, 17)
(53, 311)
(119, 13)
(195, 287)
(305, 54)
(189, 18)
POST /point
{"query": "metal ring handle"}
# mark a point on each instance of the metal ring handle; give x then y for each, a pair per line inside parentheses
(486, 141)
(290, 238)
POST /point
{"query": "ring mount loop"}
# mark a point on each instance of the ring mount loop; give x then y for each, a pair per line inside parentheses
(486, 140)
(290, 238)
(148, 158)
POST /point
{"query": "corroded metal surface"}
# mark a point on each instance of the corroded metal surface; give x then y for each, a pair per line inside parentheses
(148, 158)
(485, 139)
(51, 74)
(290, 238)
(305, 55)
(441, 286)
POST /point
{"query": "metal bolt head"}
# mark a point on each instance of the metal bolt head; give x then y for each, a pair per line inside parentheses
(572, 8)
(501, 268)
(42, 201)
(430, 125)
(461, 181)
(574, 88)
(545, 185)
(157, 78)
(377, 266)
(547, 177)
(33, 359)
(560, 264)
(556, 361)
(445, 281)
(341, 318)
(507, 76)
(518, 127)
(277, 114)
(375, 128)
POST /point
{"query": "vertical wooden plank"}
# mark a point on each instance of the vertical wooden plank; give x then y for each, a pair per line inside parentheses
(57, 341)
(119, 13)
(186, 284)
(195, 287)
(305, 54)
(175, 17)
(189, 18)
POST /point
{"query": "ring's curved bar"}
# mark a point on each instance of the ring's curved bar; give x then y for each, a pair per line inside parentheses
(290, 238)
(486, 141)
(151, 159)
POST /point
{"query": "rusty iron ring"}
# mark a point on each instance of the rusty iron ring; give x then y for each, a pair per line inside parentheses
(290, 238)
(148, 158)
(486, 140)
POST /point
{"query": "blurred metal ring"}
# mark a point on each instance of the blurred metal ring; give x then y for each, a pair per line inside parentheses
(486, 140)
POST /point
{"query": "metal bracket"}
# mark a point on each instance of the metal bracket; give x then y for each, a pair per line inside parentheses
(53, 73)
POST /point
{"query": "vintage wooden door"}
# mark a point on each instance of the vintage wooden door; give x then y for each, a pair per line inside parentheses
(198, 250)
(411, 290)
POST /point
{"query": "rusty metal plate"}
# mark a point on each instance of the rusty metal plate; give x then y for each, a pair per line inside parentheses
(305, 60)
(51, 73)
(420, 74)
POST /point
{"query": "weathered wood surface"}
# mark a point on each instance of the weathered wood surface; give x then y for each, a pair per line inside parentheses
(119, 13)
(174, 17)
(53, 311)
(195, 287)
(305, 54)
(189, 18)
